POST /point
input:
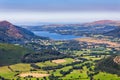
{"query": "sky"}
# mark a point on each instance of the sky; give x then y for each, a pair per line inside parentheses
(58, 11)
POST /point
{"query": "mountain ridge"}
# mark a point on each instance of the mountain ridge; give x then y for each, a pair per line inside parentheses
(10, 32)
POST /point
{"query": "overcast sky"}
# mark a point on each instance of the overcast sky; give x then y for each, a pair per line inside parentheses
(58, 11)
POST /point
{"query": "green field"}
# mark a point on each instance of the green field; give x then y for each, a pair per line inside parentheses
(12, 67)
(79, 74)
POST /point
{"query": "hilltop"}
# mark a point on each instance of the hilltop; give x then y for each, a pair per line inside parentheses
(10, 32)
(103, 22)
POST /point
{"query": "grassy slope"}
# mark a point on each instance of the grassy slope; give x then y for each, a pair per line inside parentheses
(5, 72)
(10, 54)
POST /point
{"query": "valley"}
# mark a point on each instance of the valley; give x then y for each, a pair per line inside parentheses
(95, 56)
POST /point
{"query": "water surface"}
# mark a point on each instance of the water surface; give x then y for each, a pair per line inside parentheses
(55, 36)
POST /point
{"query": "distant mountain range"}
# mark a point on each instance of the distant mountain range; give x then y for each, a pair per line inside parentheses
(115, 32)
(105, 27)
(10, 32)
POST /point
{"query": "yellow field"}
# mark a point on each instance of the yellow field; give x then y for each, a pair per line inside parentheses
(37, 75)
(58, 61)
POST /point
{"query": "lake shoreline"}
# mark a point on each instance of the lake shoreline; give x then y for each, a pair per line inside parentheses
(56, 36)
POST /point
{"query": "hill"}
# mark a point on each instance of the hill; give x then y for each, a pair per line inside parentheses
(114, 33)
(103, 22)
(11, 54)
(110, 64)
(10, 32)
(96, 27)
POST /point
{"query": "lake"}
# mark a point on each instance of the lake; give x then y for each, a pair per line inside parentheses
(55, 36)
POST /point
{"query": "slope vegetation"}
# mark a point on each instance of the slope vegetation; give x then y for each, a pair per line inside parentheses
(110, 64)
(11, 54)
